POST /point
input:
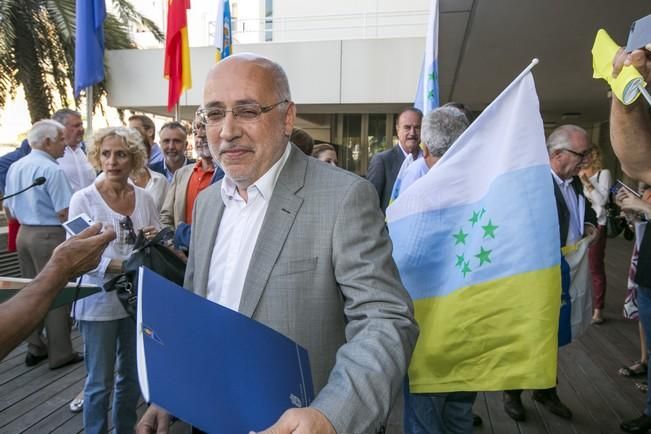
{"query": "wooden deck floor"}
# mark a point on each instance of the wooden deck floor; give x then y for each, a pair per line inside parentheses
(35, 400)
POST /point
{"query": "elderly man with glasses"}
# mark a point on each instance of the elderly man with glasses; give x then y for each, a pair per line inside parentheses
(569, 149)
(302, 247)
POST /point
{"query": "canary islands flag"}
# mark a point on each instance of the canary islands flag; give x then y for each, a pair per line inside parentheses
(477, 244)
(427, 94)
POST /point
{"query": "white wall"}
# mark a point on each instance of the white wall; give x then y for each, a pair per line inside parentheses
(320, 72)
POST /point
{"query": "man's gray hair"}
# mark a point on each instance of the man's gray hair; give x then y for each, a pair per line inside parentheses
(441, 127)
(62, 114)
(42, 130)
(561, 137)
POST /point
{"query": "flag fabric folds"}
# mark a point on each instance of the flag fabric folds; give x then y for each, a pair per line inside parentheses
(427, 94)
(223, 41)
(89, 43)
(576, 298)
(177, 51)
(476, 241)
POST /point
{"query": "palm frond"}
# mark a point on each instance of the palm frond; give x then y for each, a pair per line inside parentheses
(128, 14)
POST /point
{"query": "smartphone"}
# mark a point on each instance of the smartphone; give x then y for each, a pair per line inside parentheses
(77, 224)
(640, 34)
(619, 184)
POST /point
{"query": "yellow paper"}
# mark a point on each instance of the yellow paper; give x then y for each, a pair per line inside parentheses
(625, 86)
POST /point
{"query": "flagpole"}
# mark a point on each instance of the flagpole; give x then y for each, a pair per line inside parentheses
(177, 112)
(89, 110)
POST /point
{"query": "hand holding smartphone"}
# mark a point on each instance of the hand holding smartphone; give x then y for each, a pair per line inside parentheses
(77, 224)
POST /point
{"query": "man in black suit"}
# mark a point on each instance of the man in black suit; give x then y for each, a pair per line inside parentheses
(384, 166)
(569, 150)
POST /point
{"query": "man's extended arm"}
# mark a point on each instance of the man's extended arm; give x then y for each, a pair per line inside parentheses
(22, 313)
(380, 332)
(630, 126)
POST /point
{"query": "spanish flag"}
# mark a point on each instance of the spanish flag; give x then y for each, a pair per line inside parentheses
(177, 51)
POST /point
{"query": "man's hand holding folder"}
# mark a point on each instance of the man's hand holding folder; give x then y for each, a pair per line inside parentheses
(300, 421)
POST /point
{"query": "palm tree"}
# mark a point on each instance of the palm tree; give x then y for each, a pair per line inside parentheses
(37, 48)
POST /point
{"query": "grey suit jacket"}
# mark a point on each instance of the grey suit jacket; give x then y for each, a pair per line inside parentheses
(322, 274)
(173, 211)
(383, 171)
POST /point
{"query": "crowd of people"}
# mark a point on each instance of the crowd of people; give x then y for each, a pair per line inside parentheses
(285, 237)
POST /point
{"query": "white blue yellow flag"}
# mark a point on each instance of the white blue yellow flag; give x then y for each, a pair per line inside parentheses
(223, 40)
(427, 94)
(477, 244)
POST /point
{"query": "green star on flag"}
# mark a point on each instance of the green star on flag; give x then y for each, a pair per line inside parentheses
(430, 94)
(460, 237)
(489, 229)
(475, 217)
(466, 268)
(460, 259)
(483, 256)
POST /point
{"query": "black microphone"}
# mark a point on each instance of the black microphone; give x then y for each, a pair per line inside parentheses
(38, 181)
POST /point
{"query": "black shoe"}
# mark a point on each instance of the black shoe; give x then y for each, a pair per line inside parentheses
(640, 424)
(513, 406)
(32, 360)
(76, 358)
(476, 420)
(550, 400)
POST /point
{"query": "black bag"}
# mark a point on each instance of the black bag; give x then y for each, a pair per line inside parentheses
(152, 254)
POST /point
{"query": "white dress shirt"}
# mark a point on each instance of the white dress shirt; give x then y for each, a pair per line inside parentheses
(237, 235)
(77, 168)
(576, 206)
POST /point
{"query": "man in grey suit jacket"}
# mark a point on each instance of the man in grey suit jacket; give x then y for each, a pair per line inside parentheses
(300, 246)
(384, 166)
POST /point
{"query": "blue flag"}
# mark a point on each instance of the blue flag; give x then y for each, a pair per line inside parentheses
(89, 43)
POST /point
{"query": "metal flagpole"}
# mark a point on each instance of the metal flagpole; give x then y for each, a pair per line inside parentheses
(177, 112)
(89, 110)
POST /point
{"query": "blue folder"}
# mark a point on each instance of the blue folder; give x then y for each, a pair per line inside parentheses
(213, 367)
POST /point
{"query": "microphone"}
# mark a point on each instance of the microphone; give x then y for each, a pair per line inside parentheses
(38, 181)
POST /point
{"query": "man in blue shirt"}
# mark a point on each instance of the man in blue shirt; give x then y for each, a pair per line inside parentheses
(40, 211)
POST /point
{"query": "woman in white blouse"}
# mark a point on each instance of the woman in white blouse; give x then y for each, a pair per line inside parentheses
(597, 182)
(108, 331)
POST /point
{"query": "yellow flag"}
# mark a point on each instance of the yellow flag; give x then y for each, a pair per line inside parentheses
(625, 86)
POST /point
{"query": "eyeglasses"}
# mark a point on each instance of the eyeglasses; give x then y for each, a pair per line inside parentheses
(243, 113)
(127, 225)
(582, 155)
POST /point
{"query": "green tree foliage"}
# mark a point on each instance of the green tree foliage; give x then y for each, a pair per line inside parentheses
(37, 49)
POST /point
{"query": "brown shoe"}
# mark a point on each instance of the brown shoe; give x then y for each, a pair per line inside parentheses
(550, 400)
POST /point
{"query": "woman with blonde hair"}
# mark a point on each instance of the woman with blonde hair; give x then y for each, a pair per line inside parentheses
(108, 331)
(596, 187)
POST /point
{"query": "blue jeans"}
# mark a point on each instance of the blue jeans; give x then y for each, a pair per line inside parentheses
(644, 311)
(439, 413)
(110, 351)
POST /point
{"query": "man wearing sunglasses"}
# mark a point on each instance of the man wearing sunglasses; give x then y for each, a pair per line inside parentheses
(302, 247)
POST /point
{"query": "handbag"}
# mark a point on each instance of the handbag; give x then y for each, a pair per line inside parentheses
(153, 254)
